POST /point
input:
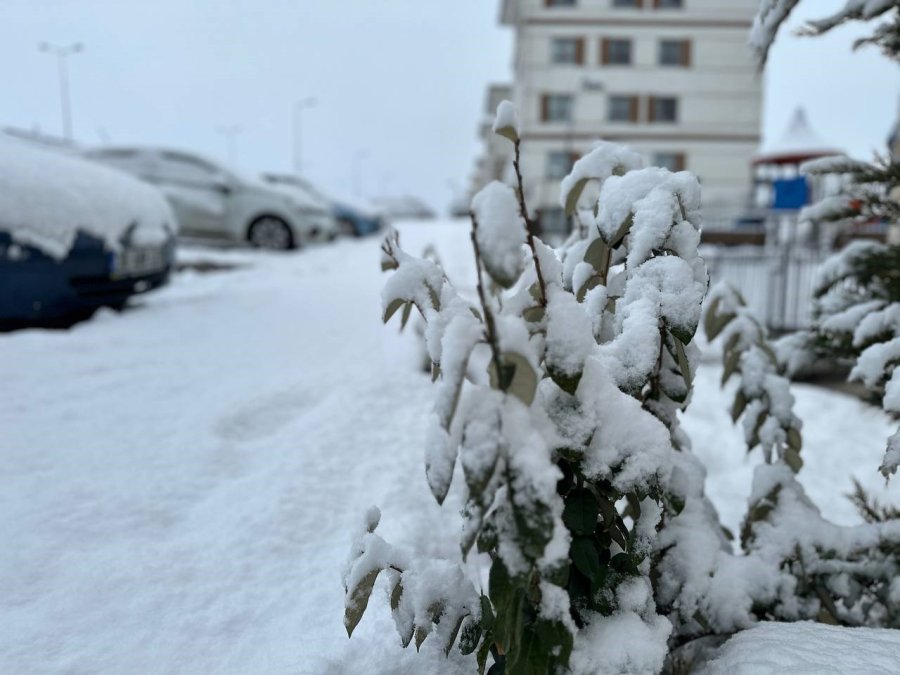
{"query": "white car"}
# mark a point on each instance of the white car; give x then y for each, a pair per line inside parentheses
(304, 191)
(216, 202)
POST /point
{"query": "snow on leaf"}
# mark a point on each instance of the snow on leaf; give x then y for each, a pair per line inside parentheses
(500, 232)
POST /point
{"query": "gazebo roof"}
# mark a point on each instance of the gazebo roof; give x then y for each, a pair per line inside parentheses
(798, 143)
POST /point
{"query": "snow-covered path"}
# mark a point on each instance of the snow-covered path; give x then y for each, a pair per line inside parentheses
(178, 484)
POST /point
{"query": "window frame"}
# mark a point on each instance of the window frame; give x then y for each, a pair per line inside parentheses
(547, 108)
(633, 102)
(679, 157)
(558, 159)
(606, 51)
(684, 50)
(654, 118)
(577, 53)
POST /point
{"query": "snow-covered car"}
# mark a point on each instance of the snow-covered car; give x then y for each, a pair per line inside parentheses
(303, 191)
(403, 208)
(75, 236)
(213, 201)
(356, 220)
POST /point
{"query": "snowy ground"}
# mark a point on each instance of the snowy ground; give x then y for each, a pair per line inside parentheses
(178, 483)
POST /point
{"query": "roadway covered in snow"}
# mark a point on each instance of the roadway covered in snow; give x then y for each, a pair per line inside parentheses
(179, 483)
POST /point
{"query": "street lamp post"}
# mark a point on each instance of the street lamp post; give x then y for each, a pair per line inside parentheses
(62, 52)
(299, 107)
(231, 132)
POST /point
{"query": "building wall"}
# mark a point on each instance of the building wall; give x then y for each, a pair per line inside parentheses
(719, 93)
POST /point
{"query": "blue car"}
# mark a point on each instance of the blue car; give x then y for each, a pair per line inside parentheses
(75, 237)
(356, 222)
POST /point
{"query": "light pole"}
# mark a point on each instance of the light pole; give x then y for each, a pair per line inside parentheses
(62, 52)
(299, 107)
(358, 157)
(231, 132)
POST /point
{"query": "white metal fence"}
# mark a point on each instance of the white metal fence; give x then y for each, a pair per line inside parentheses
(777, 283)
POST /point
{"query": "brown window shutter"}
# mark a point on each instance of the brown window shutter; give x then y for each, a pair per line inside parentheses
(635, 109)
(579, 51)
(655, 4)
(545, 108)
(686, 53)
(651, 103)
(639, 4)
(573, 157)
(680, 162)
(604, 51)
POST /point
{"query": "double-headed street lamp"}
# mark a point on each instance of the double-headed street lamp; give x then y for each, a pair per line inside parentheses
(62, 52)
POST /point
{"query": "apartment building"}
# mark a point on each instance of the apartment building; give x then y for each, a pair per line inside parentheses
(673, 79)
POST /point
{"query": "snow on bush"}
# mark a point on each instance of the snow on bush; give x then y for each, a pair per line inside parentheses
(558, 394)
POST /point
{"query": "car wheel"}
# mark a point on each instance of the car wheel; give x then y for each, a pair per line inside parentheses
(272, 233)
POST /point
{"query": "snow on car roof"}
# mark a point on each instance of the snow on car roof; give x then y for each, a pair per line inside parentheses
(46, 197)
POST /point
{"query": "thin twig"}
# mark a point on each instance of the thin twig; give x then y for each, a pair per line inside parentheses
(529, 227)
(490, 326)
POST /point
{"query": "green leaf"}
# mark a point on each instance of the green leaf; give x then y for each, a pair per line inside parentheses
(589, 285)
(392, 309)
(522, 383)
(508, 132)
(622, 232)
(404, 318)
(732, 361)
(574, 195)
(487, 613)
(421, 634)
(482, 655)
(471, 635)
(793, 460)
(453, 633)
(740, 404)
(358, 600)
(681, 358)
(794, 439)
(396, 594)
(568, 383)
(534, 314)
(580, 512)
(586, 559)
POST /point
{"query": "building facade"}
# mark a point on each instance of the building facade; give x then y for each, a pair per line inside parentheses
(673, 79)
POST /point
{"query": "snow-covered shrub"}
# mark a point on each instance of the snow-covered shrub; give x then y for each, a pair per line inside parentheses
(557, 395)
(802, 567)
(858, 294)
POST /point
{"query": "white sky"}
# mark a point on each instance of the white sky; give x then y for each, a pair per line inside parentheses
(399, 83)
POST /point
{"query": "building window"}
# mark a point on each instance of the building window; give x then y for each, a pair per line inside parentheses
(554, 221)
(675, 53)
(559, 164)
(623, 109)
(557, 107)
(559, 3)
(668, 4)
(663, 109)
(636, 4)
(567, 50)
(615, 52)
(673, 161)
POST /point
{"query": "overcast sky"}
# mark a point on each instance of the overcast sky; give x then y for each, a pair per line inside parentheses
(399, 83)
